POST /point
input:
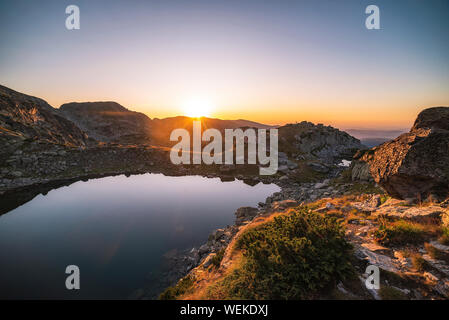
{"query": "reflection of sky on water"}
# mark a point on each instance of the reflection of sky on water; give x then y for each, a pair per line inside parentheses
(116, 229)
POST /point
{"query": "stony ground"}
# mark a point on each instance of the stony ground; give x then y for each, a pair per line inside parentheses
(413, 259)
(420, 268)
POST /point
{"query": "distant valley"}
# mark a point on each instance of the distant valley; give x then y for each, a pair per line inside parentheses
(375, 137)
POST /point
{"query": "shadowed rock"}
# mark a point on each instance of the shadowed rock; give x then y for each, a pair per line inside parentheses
(317, 142)
(27, 118)
(416, 164)
(109, 121)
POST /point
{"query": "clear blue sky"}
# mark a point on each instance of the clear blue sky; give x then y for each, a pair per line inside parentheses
(270, 61)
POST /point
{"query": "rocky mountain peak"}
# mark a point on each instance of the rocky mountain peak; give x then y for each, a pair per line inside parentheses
(321, 142)
(100, 106)
(436, 118)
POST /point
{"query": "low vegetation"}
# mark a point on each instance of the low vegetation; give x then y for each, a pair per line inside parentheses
(216, 260)
(359, 188)
(399, 233)
(436, 253)
(444, 238)
(183, 286)
(419, 263)
(390, 293)
(294, 256)
(303, 253)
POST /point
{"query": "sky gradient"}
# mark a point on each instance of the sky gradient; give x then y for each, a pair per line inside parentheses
(270, 61)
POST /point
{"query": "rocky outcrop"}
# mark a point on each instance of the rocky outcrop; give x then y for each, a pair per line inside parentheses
(244, 214)
(109, 121)
(317, 142)
(416, 164)
(26, 118)
(412, 213)
(360, 170)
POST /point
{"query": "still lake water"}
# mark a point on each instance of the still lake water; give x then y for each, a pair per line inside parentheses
(115, 229)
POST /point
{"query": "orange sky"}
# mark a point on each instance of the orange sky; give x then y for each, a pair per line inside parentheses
(274, 62)
(268, 105)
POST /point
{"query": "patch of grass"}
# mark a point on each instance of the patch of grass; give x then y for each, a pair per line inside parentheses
(419, 263)
(346, 176)
(304, 173)
(436, 253)
(216, 260)
(354, 215)
(362, 188)
(392, 277)
(384, 198)
(335, 213)
(399, 233)
(390, 293)
(444, 238)
(346, 200)
(316, 204)
(183, 286)
(405, 204)
(407, 253)
(293, 256)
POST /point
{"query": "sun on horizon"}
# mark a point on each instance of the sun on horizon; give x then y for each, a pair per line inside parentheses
(197, 108)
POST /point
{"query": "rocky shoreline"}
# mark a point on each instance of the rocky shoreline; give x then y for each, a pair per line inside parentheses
(180, 263)
(44, 148)
(396, 263)
(38, 167)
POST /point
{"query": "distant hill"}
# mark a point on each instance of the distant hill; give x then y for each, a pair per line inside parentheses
(161, 128)
(108, 121)
(111, 122)
(374, 137)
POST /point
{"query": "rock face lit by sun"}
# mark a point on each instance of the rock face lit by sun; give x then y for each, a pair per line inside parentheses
(197, 108)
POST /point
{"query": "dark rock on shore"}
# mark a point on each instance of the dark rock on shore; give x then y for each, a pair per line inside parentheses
(245, 214)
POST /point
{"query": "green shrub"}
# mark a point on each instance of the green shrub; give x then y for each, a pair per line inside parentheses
(292, 257)
(436, 253)
(364, 188)
(384, 198)
(390, 293)
(419, 263)
(444, 239)
(216, 260)
(183, 285)
(346, 175)
(399, 233)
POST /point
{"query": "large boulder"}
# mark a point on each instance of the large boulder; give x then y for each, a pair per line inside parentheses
(360, 170)
(416, 164)
(244, 214)
(417, 214)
